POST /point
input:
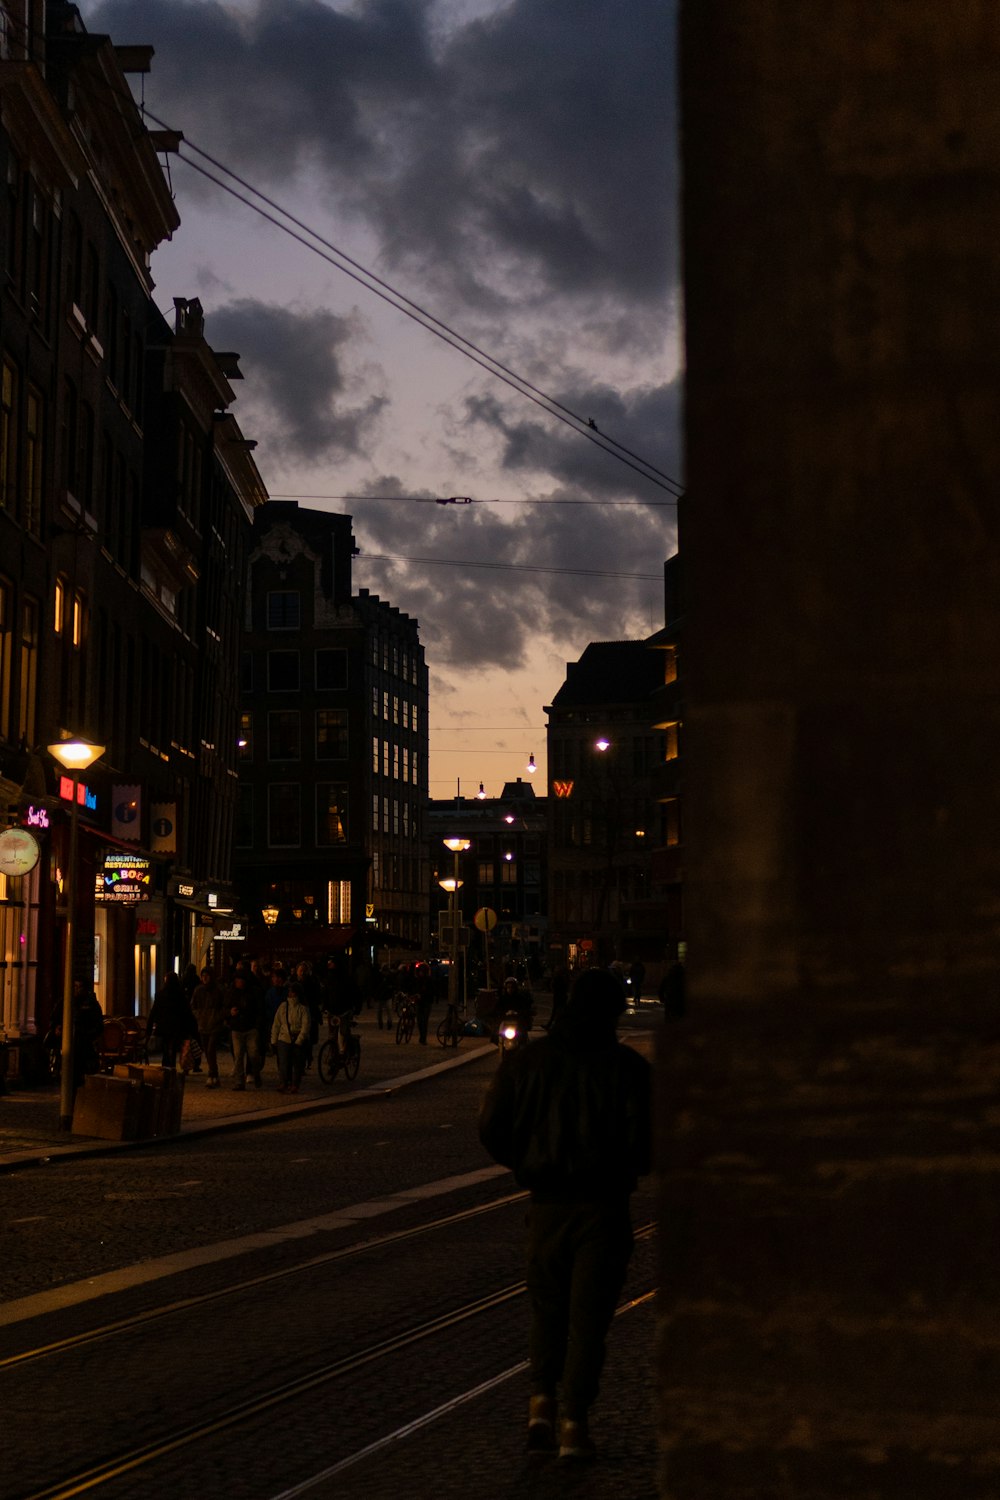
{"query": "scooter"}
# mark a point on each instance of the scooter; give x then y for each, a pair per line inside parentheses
(512, 1033)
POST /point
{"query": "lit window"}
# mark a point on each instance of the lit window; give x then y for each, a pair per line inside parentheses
(78, 617)
(331, 734)
(331, 814)
(59, 610)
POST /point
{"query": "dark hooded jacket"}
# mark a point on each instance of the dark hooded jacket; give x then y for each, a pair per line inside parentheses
(570, 1114)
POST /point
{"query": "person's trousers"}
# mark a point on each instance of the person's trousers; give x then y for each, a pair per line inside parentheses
(291, 1062)
(246, 1055)
(578, 1254)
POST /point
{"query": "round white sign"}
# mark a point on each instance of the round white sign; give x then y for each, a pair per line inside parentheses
(19, 851)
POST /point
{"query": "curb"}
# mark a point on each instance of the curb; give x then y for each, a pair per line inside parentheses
(38, 1156)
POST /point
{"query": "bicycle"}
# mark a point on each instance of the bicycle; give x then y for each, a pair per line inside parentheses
(407, 1018)
(333, 1055)
(452, 1029)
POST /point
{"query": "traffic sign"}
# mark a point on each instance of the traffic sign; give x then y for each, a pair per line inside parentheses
(485, 919)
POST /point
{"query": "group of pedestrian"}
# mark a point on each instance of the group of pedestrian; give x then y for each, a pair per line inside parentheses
(262, 1009)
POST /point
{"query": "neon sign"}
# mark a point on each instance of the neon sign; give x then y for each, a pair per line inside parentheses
(84, 796)
(36, 817)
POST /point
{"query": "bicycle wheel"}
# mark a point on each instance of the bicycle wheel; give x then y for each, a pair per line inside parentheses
(353, 1062)
(407, 1024)
(444, 1032)
(328, 1062)
(401, 1035)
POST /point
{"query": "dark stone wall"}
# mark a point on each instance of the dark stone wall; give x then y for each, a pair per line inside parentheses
(828, 1120)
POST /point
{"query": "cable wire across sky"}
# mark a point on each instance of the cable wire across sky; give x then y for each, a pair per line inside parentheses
(312, 240)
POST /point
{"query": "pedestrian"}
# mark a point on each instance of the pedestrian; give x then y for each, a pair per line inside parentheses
(672, 991)
(88, 1024)
(570, 1114)
(386, 991)
(208, 1003)
(560, 996)
(244, 1008)
(275, 994)
(289, 1037)
(423, 988)
(312, 993)
(171, 1019)
(190, 979)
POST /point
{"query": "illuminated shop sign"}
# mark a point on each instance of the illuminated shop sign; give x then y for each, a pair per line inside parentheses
(123, 877)
(36, 817)
(84, 795)
(235, 933)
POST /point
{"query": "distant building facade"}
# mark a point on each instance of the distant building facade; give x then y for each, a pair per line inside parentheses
(667, 864)
(604, 816)
(333, 751)
(504, 871)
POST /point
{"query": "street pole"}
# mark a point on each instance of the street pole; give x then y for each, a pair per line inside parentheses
(74, 755)
(66, 1074)
(453, 971)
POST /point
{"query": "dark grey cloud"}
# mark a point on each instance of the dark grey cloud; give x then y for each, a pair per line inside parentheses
(631, 426)
(528, 155)
(299, 393)
(480, 619)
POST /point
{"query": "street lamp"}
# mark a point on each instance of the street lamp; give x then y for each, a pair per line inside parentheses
(454, 885)
(74, 756)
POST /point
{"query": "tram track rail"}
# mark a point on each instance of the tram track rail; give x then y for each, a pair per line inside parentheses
(182, 1306)
(192, 1436)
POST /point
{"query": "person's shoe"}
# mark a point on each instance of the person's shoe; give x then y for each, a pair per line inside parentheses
(258, 1083)
(541, 1425)
(575, 1440)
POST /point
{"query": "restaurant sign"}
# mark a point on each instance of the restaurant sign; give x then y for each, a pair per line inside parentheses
(123, 878)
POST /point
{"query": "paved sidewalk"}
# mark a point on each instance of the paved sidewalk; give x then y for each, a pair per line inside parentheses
(29, 1117)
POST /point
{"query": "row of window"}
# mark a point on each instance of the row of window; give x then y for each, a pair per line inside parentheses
(284, 734)
(285, 825)
(390, 815)
(395, 710)
(30, 238)
(396, 761)
(22, 446)
(18, 665)
(391, 657)
(638, 753)
(281, 671)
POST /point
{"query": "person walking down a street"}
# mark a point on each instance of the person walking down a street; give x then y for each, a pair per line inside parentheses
(88, 1024)
(208, 1004)
(570, 1114)
(423, 988)
(244, 1008)
(290, 1037)
(312, 993)
(171, 1019)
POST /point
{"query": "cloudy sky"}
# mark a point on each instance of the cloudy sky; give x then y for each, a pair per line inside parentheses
(509, 169)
